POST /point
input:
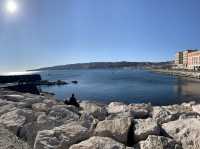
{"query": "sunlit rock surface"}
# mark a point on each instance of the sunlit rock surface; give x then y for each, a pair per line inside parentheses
(41, 122)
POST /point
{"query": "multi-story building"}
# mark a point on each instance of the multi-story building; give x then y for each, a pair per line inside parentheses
(194, 60)
(179, 58)
(188, 59)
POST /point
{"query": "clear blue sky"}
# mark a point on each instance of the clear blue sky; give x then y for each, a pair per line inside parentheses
(53, 32)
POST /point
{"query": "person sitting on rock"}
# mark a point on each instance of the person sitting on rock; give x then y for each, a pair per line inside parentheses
(72, 101)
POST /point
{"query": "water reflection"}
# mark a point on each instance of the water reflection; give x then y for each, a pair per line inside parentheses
(187, 90)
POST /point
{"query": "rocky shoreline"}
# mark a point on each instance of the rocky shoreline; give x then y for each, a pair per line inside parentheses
(179, 73)
(30, 121)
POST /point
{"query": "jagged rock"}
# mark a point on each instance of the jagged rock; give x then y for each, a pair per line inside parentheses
(196, 108)
(96, 110)
(30, 101)
(87, 120)
(13, 120)
(62, 114)
(118, 110)
(140, 110)
(145, 127)
(188, 104)
(49, 102)
(5, 102)
(165, 114)
(40, 107)
(117, 129)
(98, 143)
(6, 108)
(161, 115)
(178, 108)
(186, 131)
(57, 116)
(189, 115)
(119, 115)
(68, 107)
(117, 107)
(29, 130)
(14, 97)
(61, 137)
(9, 141)
(158, 142)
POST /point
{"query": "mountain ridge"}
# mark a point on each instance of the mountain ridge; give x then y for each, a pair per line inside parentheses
(106, 65)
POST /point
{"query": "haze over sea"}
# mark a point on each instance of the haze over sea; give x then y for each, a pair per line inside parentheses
(126, 85)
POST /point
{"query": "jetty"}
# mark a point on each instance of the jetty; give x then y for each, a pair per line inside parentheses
(20, 78)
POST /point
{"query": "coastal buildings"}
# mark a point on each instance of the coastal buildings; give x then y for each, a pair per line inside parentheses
(188, 59)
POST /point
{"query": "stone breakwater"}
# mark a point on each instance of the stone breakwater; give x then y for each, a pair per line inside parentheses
(40, 122)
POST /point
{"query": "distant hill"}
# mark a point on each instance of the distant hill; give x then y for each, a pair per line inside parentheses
(108, 65)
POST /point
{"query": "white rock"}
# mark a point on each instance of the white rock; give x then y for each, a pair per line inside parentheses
(87, 120)
(145, 127)
(140, 110)
(6, 108)
(158, 142)
(10, 141)
(62, 114)
(13, 120)
(161, 115)
(117, 129)
(119, 115)
(49, 102)
(96, 110)
(188, 104)
(61, 137)
(165, 114)
(98, 143)
(40, 107)
(186, 131)
(196, 108)
(14, 97)
(68, 107)
(117, 107)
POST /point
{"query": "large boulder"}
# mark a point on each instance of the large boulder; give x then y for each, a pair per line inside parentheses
(98, 111)
(87, 120)
(166, 114)
(186, 131)
(145, 127)
(45, 121)
(117, 129)
(196, 108)
(188, 104)
(40, 107)
(98, 143)
(14, 97)
(158, 142)
(10, 141)
(62, 114)
(5, 102)
(49, 102)
(119, 115)
(140, 110)
(29, 130)
(117, 107)
(6, 108)
(68, 107)
(61, 137)
(15, 120)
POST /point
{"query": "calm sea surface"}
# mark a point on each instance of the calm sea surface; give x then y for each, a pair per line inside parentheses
(130, 86)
